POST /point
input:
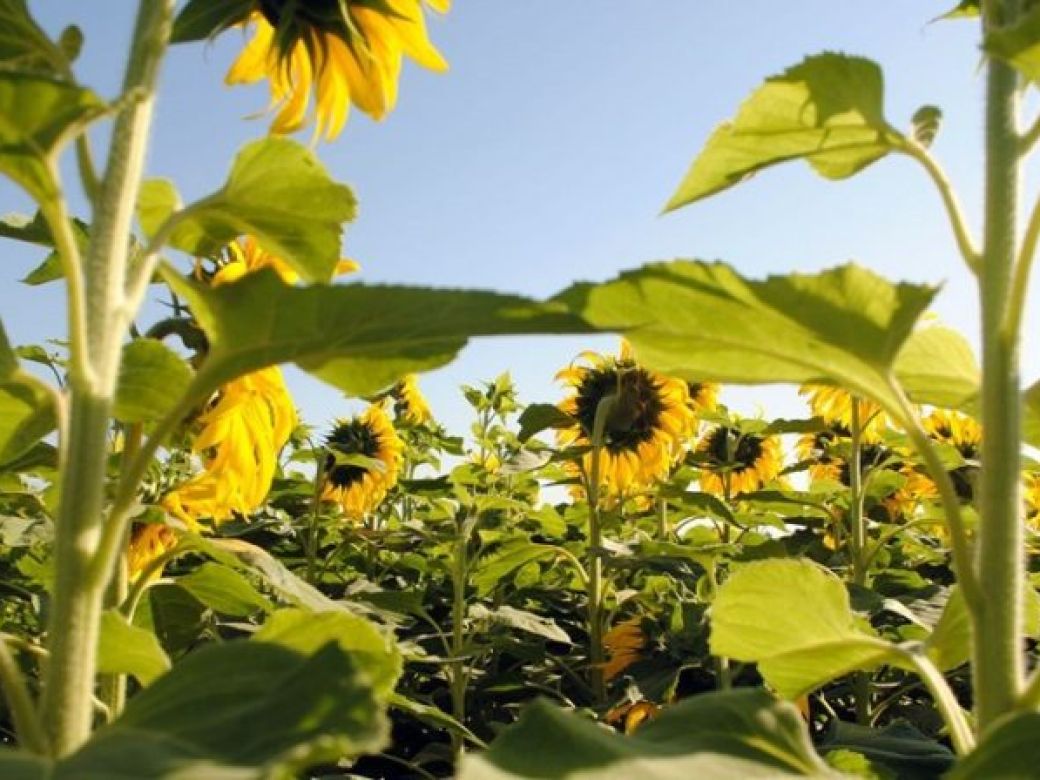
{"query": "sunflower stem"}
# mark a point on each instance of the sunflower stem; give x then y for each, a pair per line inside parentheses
(998, 629)
(314, 524)
(460, 567)
(26, 719)
(858, 545)
(594, 567)
(67, 707)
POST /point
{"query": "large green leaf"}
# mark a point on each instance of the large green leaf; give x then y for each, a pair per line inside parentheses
(827, 110)
(278, 192)
(224, 590)
(360, 339)
(1018, 44)
(1011, 751)
(898, 747)
(372, 651)
(38, 116)
(26, 408)
(250, 705)
(152, 378)
(737, 734)
(127, 649)
(704, 322)
(793, 618)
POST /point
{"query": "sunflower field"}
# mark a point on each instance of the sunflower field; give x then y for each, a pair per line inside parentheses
(626, 579)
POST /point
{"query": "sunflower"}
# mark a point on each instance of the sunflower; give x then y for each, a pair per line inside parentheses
(409, 404)
(704, 396)
(147, 543)
(747, 460)
(917, 489)
(964, 434)
(624, 644)
(643, 435)
(345, 51)
(359, 487)
(834, 406)
(245, 256)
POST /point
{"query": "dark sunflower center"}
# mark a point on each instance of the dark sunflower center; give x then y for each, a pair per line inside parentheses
(350, 438)
(870, 456)
(636, 414)
(728, 446)
(324, 14)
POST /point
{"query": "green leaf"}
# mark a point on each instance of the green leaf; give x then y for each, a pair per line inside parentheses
(23, 45)
(360, 339)
(278, 192)
(372, 651)
(152, 379)
(1009, 751)
(925, 124)
(38, 116)
(521, 620)
(224, 590)
(794, 620)
(827, 110)
(539, 417)
(127, 649)
(26, 409)
(704, 322)
(16, 765)
(1018, 44)
(240, 704)
(201, 19)
(965, 9)
(949, 644)
(735, 734)
(937, 366)
(491, 569)
(898, 747)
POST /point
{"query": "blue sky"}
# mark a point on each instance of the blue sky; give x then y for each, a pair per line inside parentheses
(547, 151)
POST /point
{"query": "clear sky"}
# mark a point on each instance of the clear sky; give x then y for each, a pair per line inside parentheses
(545, 155)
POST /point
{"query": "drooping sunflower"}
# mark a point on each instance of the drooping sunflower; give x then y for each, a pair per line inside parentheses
(344, 51)
(965, 435)
(624, 644)
(147, 543)
(834, 406)
(644, 434)
(359, 488)
(409, 403)
(746, 460)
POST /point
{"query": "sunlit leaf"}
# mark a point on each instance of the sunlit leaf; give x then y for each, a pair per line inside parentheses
(704, 322)
(827, 110)
(937, 366)
(278, 192)
(491, 569)
(538, 417)
(360, 339)
(152, 378)
(127, 649)
(793, 618)
(520, 620)
(369, 648)
(38, 116)
(736, 734)
(224, 590)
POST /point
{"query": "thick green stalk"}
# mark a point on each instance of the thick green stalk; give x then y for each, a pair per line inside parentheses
(998, 660)
(594, 566)
(68, 688)
(458, 634)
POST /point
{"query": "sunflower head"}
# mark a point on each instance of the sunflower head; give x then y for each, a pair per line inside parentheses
(644, 432)
(345, 51)
(834, 406)
(735, 461)
(409, 404)
(358, 486)
(964, 434)
(704, 396)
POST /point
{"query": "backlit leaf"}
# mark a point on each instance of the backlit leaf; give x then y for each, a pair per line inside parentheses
(278, 192)
(152, 378)
(792, 618)
(127, 649)
(26, 409)
(827, 111)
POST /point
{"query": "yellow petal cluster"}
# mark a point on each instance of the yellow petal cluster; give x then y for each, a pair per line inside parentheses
(645, 433)
(359, 489)
(410, 405)
(358, 60)
(738, 462)
(834, 406)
